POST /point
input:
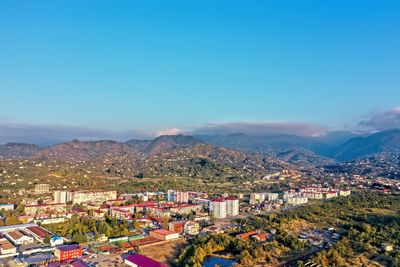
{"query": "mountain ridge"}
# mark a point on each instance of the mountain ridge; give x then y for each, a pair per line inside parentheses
(297, 148)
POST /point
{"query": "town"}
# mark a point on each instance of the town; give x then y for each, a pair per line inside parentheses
(146, 219)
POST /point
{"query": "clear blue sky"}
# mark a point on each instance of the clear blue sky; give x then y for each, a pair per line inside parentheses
(161, 64)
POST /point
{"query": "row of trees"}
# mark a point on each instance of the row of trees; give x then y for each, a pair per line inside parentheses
(79, 228)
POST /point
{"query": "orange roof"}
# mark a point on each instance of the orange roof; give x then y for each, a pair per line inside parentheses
(15, 234)
(262, 236)
(247, 235)
(5, 244)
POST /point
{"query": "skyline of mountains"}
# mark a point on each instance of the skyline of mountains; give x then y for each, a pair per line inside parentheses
(336, 146)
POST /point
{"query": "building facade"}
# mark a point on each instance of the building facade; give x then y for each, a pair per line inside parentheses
(42, 188)
(68, 252)
(218, 208)
(78, 197)
(177, 196)
(232, 206)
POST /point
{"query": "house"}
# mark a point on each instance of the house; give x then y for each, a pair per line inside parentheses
(191, 228)
(102, 238)
(176, 226)
(246, 236)
(162, 234)
(213, 230)
(260, 237)
(99, 214)
(17, 237)
(144, 222)
(120, 214)
(256, 235)
(68, 252)
(387, 247)
(138, 260)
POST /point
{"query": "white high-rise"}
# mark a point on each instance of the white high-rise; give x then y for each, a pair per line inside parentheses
(62, 196)
(222, 207)
(177, 196)
(218, 208)
(232, 206)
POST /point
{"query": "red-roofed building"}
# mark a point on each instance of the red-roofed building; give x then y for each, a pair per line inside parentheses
(162, 234)
(257, 235)
(38, 232)
(246, 236)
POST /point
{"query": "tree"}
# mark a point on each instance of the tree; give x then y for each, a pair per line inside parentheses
(245, 258)
(47, 239)
(135, 222)
(259, 254)
(12, 221)
(79, 238)
(166, 222)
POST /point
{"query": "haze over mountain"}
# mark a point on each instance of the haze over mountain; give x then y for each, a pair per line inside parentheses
(341, 146)
(361, 147)
(321, 145)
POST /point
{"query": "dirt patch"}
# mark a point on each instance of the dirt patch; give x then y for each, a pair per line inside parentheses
(165, 252)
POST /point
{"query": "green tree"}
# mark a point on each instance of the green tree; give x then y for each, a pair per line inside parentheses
(47, 239)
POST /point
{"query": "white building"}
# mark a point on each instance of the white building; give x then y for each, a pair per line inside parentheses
(61, 197)
(42, 188)
(296, 200)
(290, 194)
(330, 194)
(17, 237)
(218, 208)
(56, 241)
(313, 195)
(256, 198)
(177, 196)
(344, 192)
(232, 206)
(191, 228)
(78, 197)
(271, 196)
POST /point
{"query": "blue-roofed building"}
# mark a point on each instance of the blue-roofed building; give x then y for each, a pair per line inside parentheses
(55, 240)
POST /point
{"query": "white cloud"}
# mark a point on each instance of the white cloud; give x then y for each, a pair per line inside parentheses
(380, 121)
(263, 128)
(172, 131)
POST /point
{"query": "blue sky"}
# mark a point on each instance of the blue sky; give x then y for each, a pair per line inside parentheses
(155, 65)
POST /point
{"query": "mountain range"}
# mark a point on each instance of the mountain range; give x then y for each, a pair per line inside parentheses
(338, 146)
(335, 146)
(165, 156)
